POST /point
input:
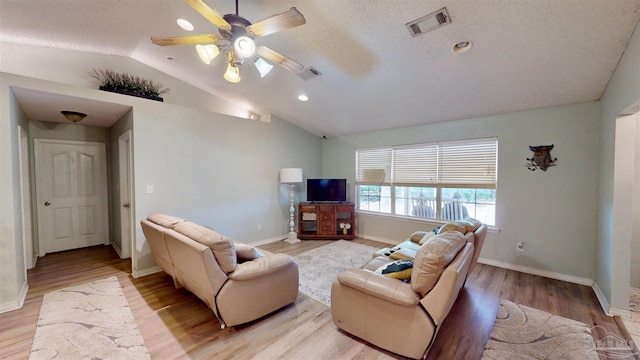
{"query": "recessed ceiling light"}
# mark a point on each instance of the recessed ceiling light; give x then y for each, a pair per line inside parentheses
(303, 97)
(186, 25)
(462, 46)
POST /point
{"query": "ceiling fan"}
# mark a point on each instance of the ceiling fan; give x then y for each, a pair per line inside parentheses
(236, 40)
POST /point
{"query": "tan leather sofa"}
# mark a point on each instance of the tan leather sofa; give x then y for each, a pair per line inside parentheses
(403, 316)
(238, 282)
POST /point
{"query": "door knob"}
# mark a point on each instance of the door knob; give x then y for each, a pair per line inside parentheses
(47, 203)
(125, 205)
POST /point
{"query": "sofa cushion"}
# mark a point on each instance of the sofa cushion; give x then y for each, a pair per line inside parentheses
(222, 247)
(400, 269)
(432, 258)
(164, 220)
(453, 226)
(418, 235)
(471, 224)
(247, 252)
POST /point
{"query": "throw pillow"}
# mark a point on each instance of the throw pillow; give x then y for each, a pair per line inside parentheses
(400, 269)
(246, 252)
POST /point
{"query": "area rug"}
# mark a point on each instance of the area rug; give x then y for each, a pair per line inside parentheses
(634, 300)
(320, 267)
(90, 321)
(521, 332)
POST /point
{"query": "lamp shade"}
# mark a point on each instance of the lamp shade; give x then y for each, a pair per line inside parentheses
(290, 175)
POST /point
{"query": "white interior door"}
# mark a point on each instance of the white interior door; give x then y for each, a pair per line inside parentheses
(71, 183)
(126, 222)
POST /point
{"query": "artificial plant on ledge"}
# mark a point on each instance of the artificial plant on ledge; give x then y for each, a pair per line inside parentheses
(124, 83)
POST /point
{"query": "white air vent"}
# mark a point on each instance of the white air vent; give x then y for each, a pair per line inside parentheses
(429, 22)
(309, 73)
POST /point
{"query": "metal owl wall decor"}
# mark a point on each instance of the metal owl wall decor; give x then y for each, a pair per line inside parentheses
(541, 158)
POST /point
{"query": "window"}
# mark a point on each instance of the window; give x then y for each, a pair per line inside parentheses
(441, 181)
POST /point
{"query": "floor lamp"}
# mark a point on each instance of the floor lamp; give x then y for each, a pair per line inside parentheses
(291, 176)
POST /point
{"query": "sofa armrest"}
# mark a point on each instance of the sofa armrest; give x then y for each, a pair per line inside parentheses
(380, 286)
(261, 266)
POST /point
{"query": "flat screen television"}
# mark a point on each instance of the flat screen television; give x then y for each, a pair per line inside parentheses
(327, 190)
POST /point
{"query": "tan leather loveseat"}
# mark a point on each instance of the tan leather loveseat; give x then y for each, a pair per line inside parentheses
(403, 316)
(238, 282)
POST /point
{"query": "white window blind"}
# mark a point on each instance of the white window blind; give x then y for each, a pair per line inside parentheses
(373, 166)
(415, 165)
(470, 163)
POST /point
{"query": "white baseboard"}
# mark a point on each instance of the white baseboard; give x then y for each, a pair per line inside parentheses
(18, 303)
(117, 249)
(379, 239)
(140, 273)
(268, 241)
(602, 299)
(533, 271)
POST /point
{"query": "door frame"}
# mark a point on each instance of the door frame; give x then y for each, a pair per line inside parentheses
(105, 196)
(125, 166)
(25, 200)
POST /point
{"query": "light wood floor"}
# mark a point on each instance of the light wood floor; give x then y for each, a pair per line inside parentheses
(177, 325)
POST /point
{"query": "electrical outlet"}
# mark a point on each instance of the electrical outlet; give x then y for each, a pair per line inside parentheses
(520, 246)
(259, 227)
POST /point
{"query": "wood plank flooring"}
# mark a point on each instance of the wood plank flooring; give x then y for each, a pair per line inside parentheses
(177, 325)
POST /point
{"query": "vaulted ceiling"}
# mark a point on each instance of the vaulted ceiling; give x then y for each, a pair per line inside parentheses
(526, 54)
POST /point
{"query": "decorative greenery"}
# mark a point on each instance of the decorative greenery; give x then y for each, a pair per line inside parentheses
(113, 81)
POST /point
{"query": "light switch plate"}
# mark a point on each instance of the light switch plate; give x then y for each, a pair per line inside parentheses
(149, 189)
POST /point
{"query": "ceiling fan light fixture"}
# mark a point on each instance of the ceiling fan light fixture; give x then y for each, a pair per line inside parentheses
(244, 46)
(207, 52)
(263, 67)
(232, 74)
(185, 24)
(73, 116)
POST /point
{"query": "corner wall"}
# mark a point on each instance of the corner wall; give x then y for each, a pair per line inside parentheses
(622, 97)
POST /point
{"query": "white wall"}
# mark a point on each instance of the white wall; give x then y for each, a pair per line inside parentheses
(553, 212)
(13, 283)
(217, 170)
(621, 97)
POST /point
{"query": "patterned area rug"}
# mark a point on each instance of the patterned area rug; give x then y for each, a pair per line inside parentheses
(320, 267)
(90, 321)
(634, 299)
(521, 332)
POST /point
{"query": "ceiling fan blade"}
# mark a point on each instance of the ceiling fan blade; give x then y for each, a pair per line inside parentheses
(184, 40)
(277, 58)
(209, 14)
(275, 23)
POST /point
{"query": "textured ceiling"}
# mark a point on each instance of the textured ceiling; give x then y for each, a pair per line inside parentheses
(526, 54)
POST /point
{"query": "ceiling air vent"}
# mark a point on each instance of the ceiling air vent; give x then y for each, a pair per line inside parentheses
(429, 22)
(309, 73)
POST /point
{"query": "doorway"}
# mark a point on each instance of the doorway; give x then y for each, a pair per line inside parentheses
(71, 194)
(125, 181)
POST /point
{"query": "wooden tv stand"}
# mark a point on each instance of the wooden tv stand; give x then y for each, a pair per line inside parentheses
(321, 221)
